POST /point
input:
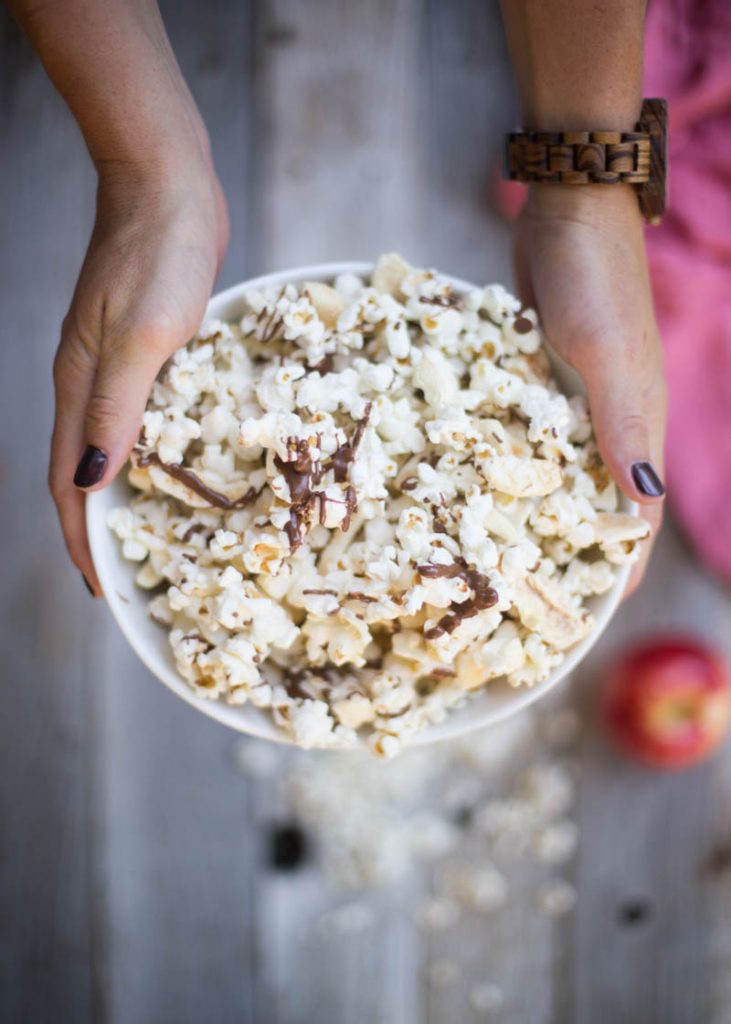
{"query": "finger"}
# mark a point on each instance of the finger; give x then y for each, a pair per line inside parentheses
(224, 224)
(653, 514)
(73, 376)
(627, 402)
(127, 369)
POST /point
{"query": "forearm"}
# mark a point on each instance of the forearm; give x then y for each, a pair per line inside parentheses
(578, 63)
(113, 64)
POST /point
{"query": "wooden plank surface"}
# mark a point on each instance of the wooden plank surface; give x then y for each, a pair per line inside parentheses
(337, 170)
(177, 858)
(649, 839)
(134, 884)
(49, 628)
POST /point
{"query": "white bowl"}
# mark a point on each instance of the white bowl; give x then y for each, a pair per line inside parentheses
(129, 603)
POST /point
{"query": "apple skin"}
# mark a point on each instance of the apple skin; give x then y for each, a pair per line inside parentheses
(667, 702)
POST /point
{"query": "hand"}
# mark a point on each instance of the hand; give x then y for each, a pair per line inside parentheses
(159, 237)
(580, 261)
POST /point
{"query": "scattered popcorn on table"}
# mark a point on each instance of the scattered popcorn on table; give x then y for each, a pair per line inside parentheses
(487, 998)
(419, 843)
(442, 973)
(562, 728)
(365, 501)
(556, 898)
(479, 887)
(347, 919)
(556, 843)
(436, 914)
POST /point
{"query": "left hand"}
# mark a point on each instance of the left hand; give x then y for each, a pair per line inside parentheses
(157, 244)
(580, 261)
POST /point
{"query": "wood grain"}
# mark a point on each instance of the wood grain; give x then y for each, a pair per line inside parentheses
(177, 858)
(596, 157)
(647, 837)
(48, 963)
(133, 877)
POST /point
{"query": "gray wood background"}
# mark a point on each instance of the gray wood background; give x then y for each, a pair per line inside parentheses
(133, 886)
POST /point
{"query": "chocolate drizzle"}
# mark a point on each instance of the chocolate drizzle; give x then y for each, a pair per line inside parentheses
(295, 685)
(437, 525)
(302, 472)
(325, 365)
(340, 460)
(207, 646)
(433, 571)
(484, 596)
(191, 532)
(274, 321)
(522, 325)
(293, 529)
(311, 682)
(444, 299)
(195, 484)
(351, 505)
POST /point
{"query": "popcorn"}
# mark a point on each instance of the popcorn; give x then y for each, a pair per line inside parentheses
(498, 303)
(521, 478)
(556, 898)
(487, 998)
(435, 377)
(311, 723)
(442, 973)
(363, 502)
(328, 302)
(389, 272)
(437, 914)
(557, 843)
(354, 711)
(482, 888)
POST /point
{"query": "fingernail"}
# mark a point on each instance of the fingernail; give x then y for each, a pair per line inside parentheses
(91, 467)
(88, 585)
(646, 480)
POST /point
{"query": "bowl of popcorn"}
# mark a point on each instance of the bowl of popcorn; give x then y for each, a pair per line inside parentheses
(366, 509)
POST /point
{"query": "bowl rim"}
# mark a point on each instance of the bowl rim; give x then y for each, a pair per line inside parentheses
(262, 726)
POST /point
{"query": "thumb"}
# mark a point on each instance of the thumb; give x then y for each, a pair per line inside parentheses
(627, 403)
(113, 416)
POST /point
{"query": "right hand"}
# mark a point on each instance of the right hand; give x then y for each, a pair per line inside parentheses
(158, 241)
(580, 260)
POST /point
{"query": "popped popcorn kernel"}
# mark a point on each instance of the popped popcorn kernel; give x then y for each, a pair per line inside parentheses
(363, 502)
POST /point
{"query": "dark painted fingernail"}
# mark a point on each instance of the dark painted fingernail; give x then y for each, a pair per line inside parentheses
(88, 585)
(91, 467)
(646, 480)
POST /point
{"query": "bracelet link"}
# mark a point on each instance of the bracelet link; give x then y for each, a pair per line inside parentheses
(598, 158)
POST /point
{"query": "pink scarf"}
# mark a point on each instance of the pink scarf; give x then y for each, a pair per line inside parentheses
(688, 60)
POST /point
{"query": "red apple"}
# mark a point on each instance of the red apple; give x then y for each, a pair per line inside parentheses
(668, 702)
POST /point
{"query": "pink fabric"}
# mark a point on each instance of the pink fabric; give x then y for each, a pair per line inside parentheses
(688, 61)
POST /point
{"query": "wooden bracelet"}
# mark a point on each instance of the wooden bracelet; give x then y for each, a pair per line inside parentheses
(599, 158)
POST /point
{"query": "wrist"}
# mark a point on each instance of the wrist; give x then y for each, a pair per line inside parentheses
(611, 109)
(165, 138)
(155, 181)
(586, 203)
